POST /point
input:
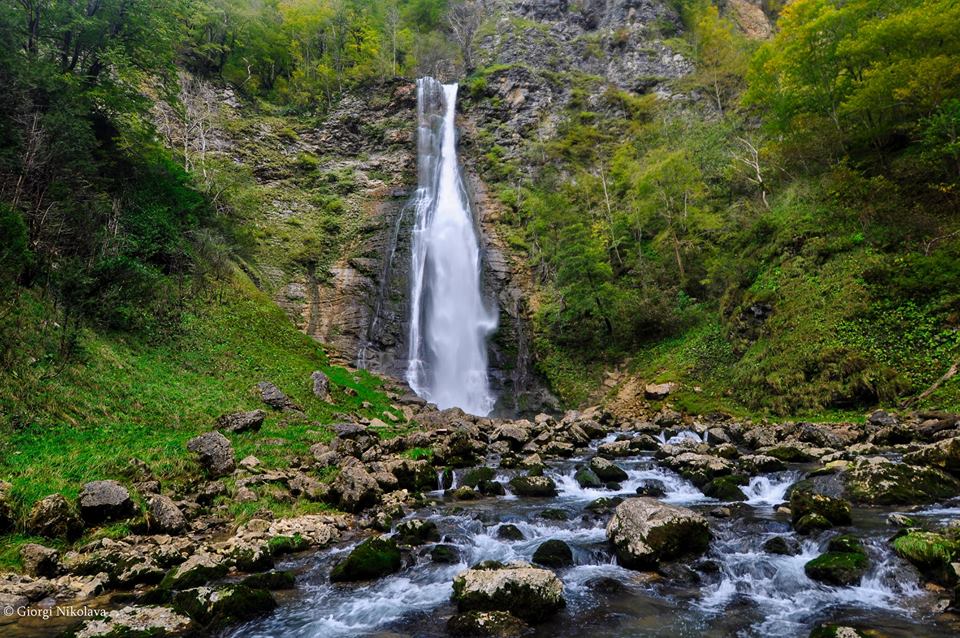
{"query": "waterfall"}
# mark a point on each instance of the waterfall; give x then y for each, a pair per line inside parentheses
(449, 322)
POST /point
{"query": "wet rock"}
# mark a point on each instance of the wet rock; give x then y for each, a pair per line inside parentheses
(789, 453)
(217, 608)
(164, 516)
(487, 624)
(39, 560)
(604, 505)
(214, 453)
(843, 564)
(445, 554)
(615, 449)
(53, 517)
(417, 532)
(530, 593)
(474, 477)
(840, 631)
(354, 488)
(882, 418)
(237, 422)
(586, 478)
(804, 501)
(141, 620)
(721, 512)
(274, 397)
(897, 519)
(465, 494)
(606, 470)
(810, 523)
(644, 532)
(373, 558)
(880, 481)
(533, 486)
(509, 532)
(781, 546)
(699, 469)
(555, 514)
(553, 553)
(652, 488)
(726, 488)
(320, 385)
(416, 476)
(943, 455)
(103, 501)
(271, 581)
(761, 464)
(931, 553)
(199, 569)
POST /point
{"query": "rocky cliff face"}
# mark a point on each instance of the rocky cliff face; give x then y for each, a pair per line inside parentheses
(333, 221)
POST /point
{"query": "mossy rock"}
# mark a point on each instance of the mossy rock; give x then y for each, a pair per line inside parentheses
(271, 581)
(838, 568)
(553, 553)
(222, 607)
(487, 624)
(281, 545)
(473, 478)
(788, 454)
(931, 553)
(465, 494)
(888, 483)
(247, 559)
(445, 554)
(417, 532)
(845, 543)
(586, 478)
(812, 523)
(804, 500)
(555, 514)
(491, 488)
(534, 486)
(781, 546)
(509, 532)
(373, 558)
(604, 504)
(726, 488)
(843, 631)
(193, 577)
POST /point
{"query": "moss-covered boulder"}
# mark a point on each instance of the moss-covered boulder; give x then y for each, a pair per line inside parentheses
(607, 471)
(879, 481)
(931, 553)
(942, 455)
(788, 453)
(445, 554)
(487, 624)
(805, 500)
(644, 532)
(781, 546)
(843, 564)
(529, 593)
(214, 608)
(811, 523)
(282, 545)
(477, 475)
(586, 478)
(417, 532)
(271, 581)
(533, 486)
(373, 558)
(553, 553)
(140, 621)
(726, 488)
(509, 532)
(554, 514)
(197, 570)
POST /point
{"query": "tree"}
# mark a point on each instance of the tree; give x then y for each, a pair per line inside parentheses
(464, 19)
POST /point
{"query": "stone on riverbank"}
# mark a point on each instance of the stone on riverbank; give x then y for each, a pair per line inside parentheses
(487, 624)
(216, 608)
(943, 455)
(214, 452)
(644, 532)
(880, 481)
(135, 621)
(54, 517)
(104, 501)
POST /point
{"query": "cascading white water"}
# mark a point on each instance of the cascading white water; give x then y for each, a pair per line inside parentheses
(449, 322)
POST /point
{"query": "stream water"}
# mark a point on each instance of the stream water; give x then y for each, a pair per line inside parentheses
(736, 589)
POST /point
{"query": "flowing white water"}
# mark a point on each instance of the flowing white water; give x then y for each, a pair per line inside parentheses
(769, 490)
(449, 322)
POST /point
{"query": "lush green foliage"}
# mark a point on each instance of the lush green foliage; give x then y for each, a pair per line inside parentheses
(804, 265)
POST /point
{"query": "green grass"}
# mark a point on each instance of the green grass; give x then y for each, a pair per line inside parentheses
(63, 425)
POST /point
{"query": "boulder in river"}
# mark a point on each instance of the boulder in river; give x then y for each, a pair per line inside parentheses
(726, 488)
(645, 531)
(509, 532)
(529, 593)
(880, 481)
(215, 453)
(487, 624)
(373, 558)
(103, 501)
(216, 608)
(699, 469)
(607, 471)
(417, 532)
(537, 486)
(586, 478)
(54, 517)
(843, 564)
(805, 500)
(931, 553)
(553, 553)
(652, 488)
(943, 455)
(781, 546)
